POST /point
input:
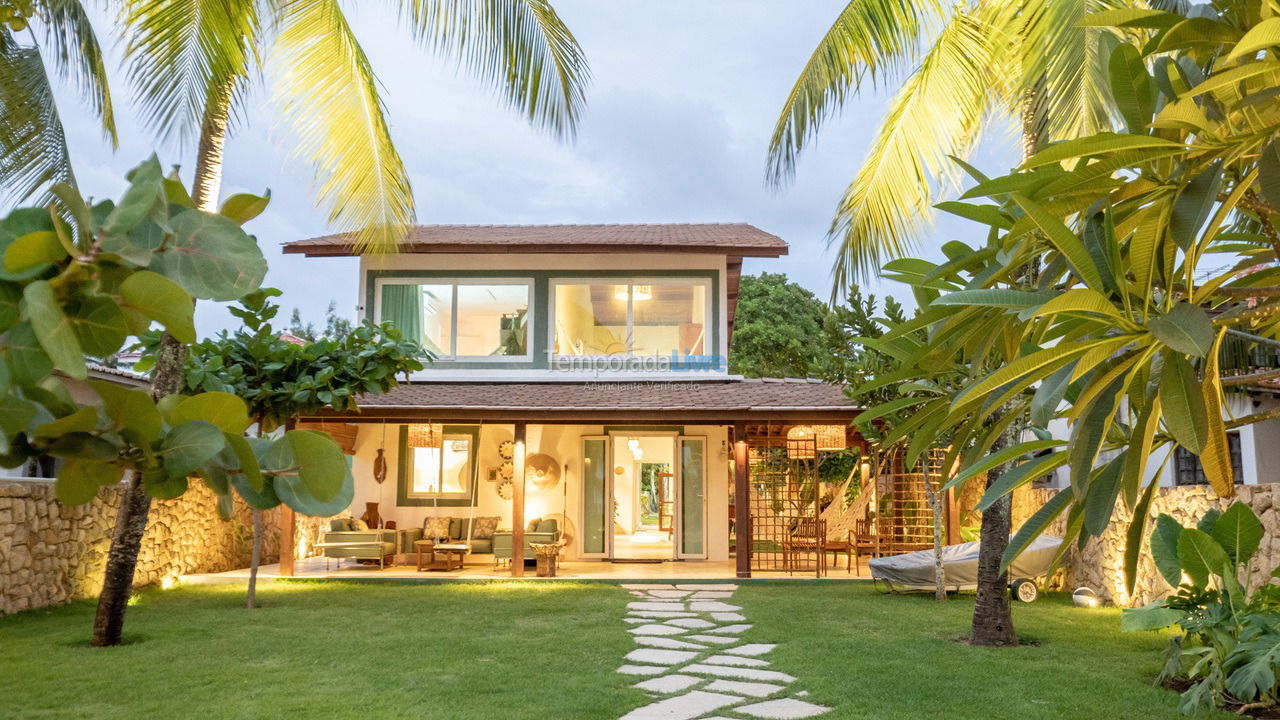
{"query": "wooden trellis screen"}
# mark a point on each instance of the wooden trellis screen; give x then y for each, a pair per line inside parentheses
(904, 519)
(782, 501)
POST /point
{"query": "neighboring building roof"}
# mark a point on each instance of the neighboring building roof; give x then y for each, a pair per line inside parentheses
(117, 375)
(672, 401)
(733, 239)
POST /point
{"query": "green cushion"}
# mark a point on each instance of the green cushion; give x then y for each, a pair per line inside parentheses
(533, 525)
(546, 526)
(340, 524)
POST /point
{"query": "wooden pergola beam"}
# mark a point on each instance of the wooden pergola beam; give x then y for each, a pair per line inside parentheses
(517, 503)
(741, 501)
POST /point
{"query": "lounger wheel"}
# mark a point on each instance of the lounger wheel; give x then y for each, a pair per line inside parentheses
(1024, 590)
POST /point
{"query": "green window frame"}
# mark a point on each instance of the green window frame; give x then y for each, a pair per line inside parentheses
(404, 461)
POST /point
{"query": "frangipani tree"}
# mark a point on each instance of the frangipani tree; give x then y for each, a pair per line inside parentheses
(1123, 331)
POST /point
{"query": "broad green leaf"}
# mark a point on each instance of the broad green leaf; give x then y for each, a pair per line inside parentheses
(211, 257)
(1201, 555)
(138, 246)
(989, 215)
(1047, 398)
(1100, 502)
(1192, 206)
(146, 191)
(1067, 243)
(1183, 404)
(244, 207)
(164, 487)
(1131, 17)
(1034, 527)
(291, 491)
(1076, 300)
(321, 464)
(1099, 144)
(1134, 536)
(162, 300)
(33, 252)
(1269, 172)
(84, 420)
(1001, 457)
(1265, 34)
(1239, 532)
(1151, 617)
(1185, 328)
(131, 410)
(887, 408)
(996, 297)
(1131, 87)
(99, 325)
(10, 297)
(188, 446)
(83, 446)
(247, 461)
(1216, 457)
(263, 498)
(224, 411)
(53, 330)
(79, 480)
(1196, 31)
(16, 414)
(1208, 520)
(1019, 475)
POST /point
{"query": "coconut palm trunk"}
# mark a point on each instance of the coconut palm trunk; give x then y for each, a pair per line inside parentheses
(992, 613)
(166, 379)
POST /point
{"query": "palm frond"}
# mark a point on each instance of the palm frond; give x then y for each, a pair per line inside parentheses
(937, 113)
(33, 146)
(180, 53)
(867, 39)
(73, 46)
(1064, 65)
(521, 47)
(329, 96)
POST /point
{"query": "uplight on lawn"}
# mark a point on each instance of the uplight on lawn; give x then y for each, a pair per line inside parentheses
(168, 582)
(1085, 597)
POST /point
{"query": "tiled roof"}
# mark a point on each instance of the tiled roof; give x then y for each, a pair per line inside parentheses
(735, 399)
(737, 239)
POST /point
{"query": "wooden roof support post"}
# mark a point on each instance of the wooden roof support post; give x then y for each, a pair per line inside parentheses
(288, 541)
(517, 504)
(741, 501)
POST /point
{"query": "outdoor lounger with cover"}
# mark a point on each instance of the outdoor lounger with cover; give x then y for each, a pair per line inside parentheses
(914, 570)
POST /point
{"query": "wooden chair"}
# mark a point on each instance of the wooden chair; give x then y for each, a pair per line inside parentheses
(806, 536)
(838, 545)
(865, 541)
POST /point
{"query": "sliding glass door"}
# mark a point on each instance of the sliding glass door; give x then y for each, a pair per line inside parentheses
(597, 497)
(691, 481)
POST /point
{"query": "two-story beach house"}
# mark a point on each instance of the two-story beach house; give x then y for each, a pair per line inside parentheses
(589, 361)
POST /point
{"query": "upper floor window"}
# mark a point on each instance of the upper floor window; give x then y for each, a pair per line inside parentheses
(636, 317)
(463, 319)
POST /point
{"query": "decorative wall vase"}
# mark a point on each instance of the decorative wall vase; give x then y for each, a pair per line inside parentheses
(380, 467)
(370, 516)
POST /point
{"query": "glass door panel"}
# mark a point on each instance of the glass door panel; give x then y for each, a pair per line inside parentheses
(692, 510)
(596, 505)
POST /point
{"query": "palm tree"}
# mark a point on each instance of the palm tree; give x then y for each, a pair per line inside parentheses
(33, 147)
(960, 66)
(192, 64)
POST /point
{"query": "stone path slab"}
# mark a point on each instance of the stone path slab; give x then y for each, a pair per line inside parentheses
(783, 709)
(741, 673)
(691, 623)
(734, 660)
(668, 593)
(717, 639)
(728, 616)
(668, 684)
(666, 642)
(709, 595)
(641, 670)
(730, 630)
(683, 707)
(707, 606)
(647, 586)
(657, 630)
(737, 687)
(658, 605)
(752, 649)
(706, 586)
(662, 657)
(663, 613)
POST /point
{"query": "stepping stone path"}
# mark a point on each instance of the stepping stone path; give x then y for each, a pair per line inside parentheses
(698, 667)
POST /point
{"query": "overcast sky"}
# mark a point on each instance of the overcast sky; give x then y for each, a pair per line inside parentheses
(683, 99)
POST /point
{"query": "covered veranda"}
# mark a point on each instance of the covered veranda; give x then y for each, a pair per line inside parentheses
(721, 419)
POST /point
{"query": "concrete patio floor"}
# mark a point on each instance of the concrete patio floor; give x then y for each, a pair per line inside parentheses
(481, 567)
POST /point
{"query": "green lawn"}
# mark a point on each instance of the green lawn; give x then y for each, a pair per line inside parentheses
(508, 651)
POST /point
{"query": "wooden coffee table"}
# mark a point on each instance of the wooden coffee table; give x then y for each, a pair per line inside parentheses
(450, 551)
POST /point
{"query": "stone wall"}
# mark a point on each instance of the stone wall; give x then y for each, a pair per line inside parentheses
(51, 554)
(1100, 564)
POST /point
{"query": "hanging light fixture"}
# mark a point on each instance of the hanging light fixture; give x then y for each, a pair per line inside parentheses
(800, 443)
(638, 293)
(426, 436)
(829, 438)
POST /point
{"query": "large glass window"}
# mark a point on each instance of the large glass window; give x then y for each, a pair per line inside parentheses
(441, 472)
(635, 317)
(465, 319)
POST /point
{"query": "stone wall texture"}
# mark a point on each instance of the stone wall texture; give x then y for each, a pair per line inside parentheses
(1100, 564)
(51, 553)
